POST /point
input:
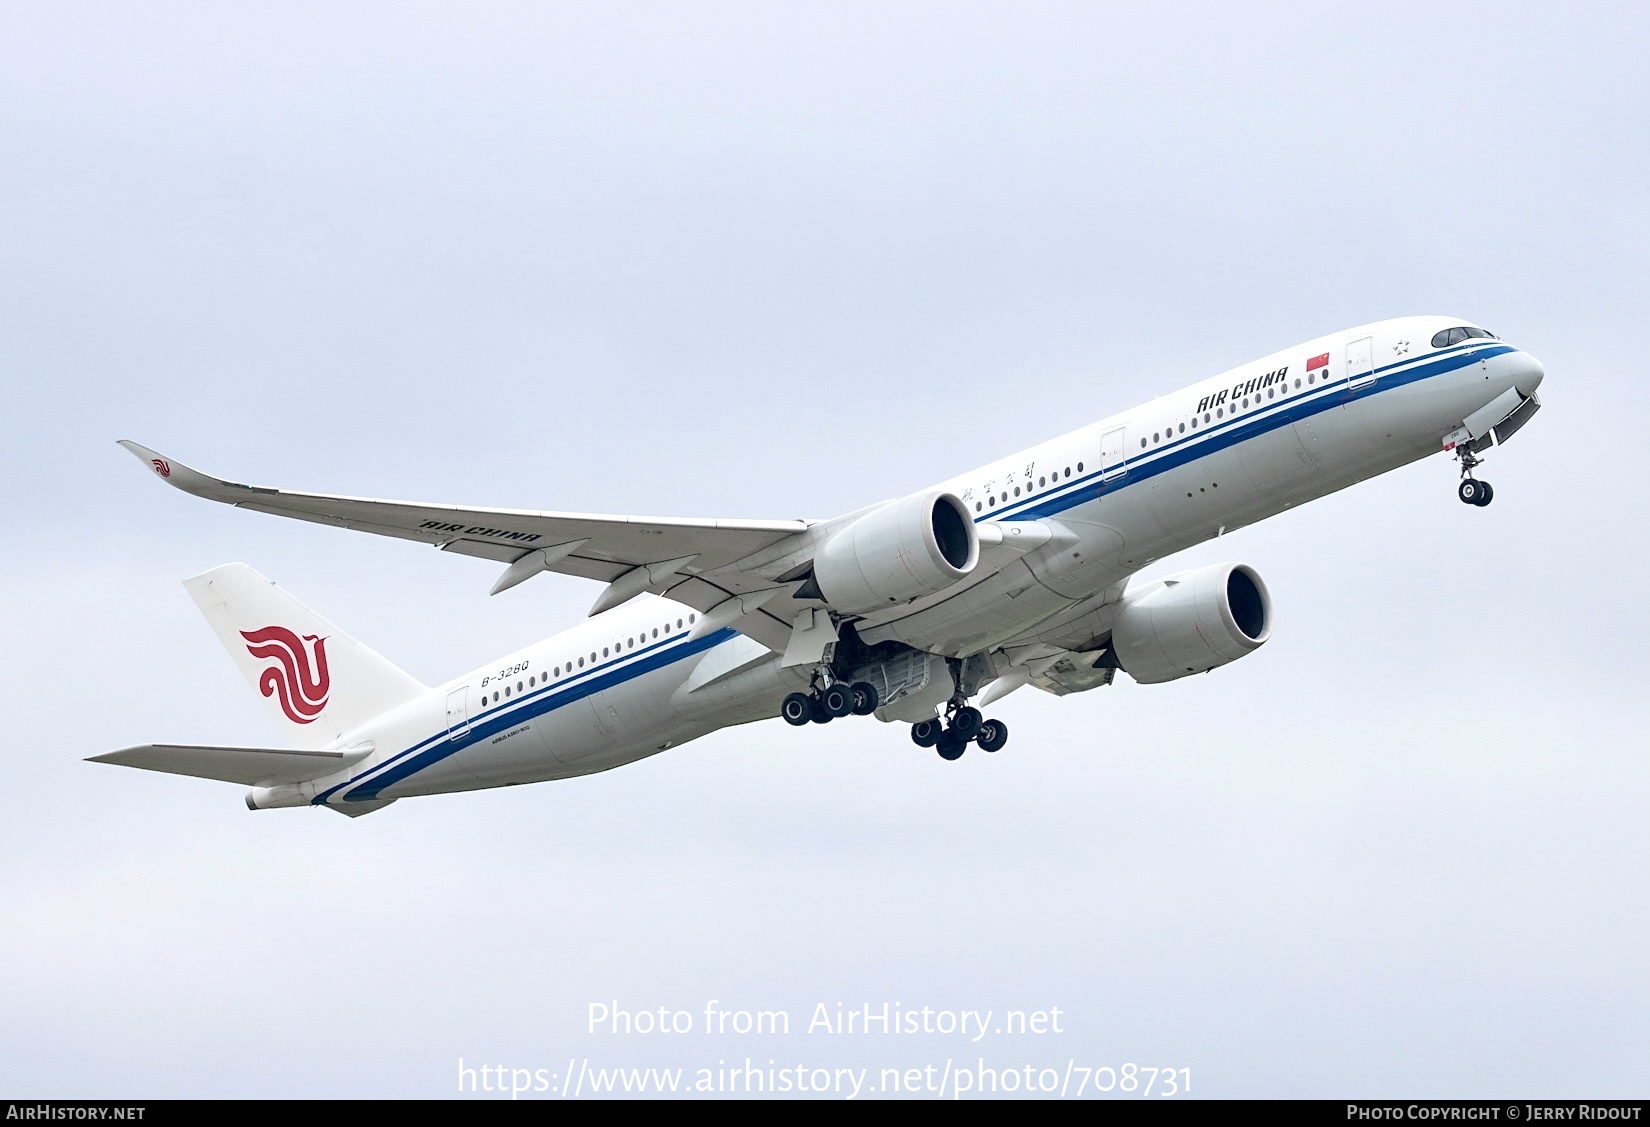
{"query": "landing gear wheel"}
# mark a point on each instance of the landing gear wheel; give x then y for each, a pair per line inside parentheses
(838, 700)
(1472, 491)
(951, 746)
(993, 735)
(966, 722)
(926, 733)
(819, 714)
(1486, 494)
(797, 709)
(865, 698)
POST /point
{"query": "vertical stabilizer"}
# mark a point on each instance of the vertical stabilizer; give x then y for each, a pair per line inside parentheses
(317, 681)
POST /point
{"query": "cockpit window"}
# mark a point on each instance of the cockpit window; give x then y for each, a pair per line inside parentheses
(1446, 337)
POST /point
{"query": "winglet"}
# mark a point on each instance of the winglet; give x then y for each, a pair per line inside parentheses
(173, 472)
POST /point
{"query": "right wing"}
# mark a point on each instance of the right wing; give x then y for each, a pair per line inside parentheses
(684, 557)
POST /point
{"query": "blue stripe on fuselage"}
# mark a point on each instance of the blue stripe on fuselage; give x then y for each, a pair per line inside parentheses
(438, 747)
(1223, 435)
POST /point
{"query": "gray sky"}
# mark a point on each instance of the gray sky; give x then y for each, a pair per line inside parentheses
(779, 261)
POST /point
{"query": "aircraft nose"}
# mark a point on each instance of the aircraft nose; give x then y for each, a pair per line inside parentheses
(1528, 373)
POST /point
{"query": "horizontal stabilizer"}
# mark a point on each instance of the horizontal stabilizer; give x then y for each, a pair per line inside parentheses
(252, 766)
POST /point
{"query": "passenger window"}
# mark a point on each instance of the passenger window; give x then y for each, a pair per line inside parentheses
(495, 698)
(978, 505)
(1016, 491)
(655, 631)
(1041, 482)
(1142, 442)
(1297, 381)
(693, 618)
(1079, 467)
(1182, 428)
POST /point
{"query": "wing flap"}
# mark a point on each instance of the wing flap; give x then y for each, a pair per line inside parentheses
(251, 766)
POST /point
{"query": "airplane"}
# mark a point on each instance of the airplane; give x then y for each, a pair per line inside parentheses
(924, 609)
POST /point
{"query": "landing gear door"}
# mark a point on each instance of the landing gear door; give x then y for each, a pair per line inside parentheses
(458, 713)
(1114, 464)
(1360, 364)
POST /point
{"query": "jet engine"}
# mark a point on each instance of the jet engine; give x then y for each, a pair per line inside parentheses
(907, 549)
(1192, 622)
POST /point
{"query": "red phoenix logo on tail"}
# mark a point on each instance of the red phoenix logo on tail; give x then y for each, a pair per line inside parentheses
(161, 467)
(297, 681)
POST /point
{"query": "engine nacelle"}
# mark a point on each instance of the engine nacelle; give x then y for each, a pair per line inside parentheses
(1192, 622)
(907, 549)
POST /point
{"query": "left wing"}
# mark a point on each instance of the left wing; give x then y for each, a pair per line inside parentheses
(684, 557)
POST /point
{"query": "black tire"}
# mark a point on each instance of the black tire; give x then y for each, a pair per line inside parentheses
(993, 735)
(926, 733)
(865, 698)
(797, 709)
(1470, 490)
(951, 746)
(820, 714)
(838, 700)
(966, 722)
(1486, 494)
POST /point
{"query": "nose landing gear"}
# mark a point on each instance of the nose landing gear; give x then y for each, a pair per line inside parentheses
(1475, 492)
(1471, 490)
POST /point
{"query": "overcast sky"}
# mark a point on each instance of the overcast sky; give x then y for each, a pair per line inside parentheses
(782, 261)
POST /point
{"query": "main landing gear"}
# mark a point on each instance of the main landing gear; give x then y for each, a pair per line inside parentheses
(824, 705)
(966, 726)
(1471, 490)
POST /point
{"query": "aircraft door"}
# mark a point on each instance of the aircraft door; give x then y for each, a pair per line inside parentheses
(1114, 463)
(458, 713)
(604, 706)
(1360, 365)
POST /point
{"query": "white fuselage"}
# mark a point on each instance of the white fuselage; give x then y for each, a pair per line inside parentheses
(1131, 489)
